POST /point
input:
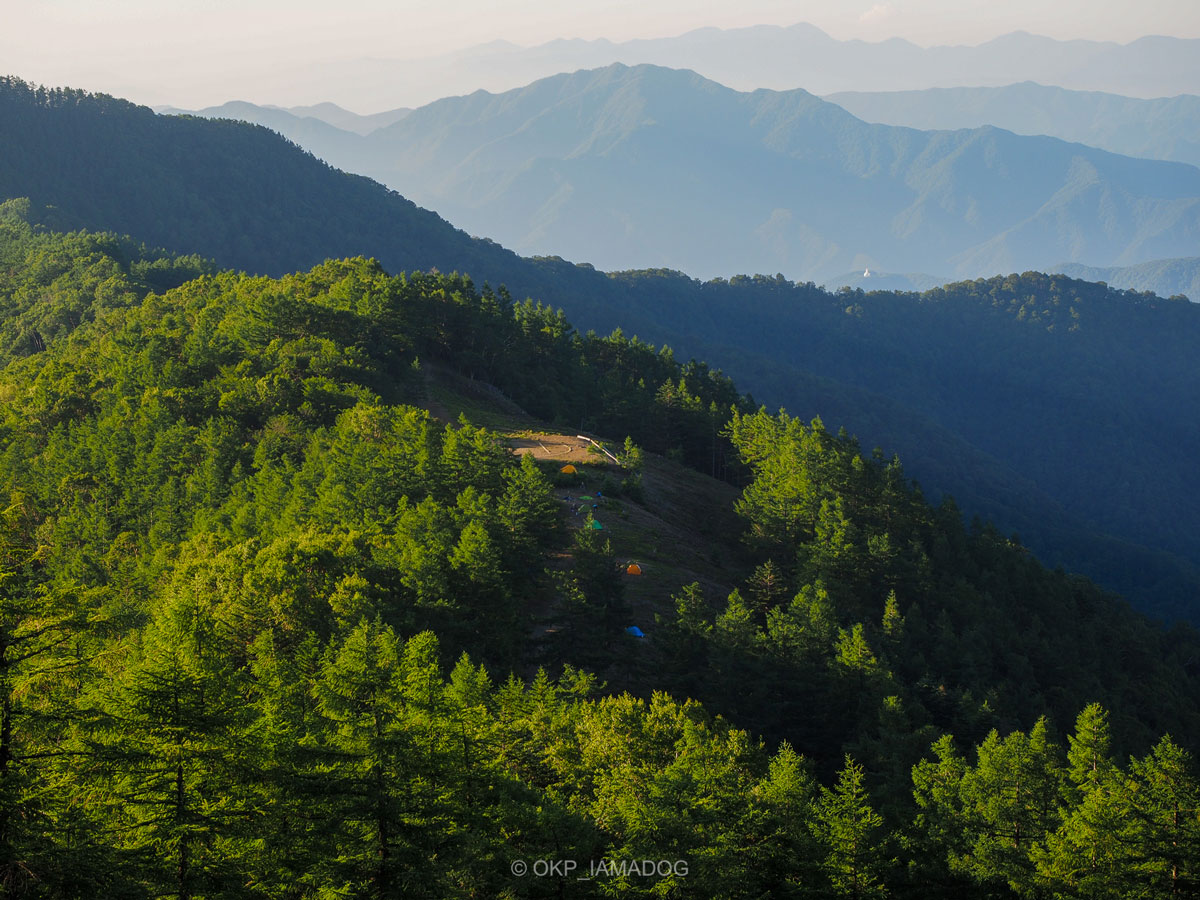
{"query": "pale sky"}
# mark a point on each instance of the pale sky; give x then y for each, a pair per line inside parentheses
(189, 52)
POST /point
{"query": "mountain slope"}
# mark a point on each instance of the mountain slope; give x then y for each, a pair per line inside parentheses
(656, 167)
(220, 188)
(1165, 128)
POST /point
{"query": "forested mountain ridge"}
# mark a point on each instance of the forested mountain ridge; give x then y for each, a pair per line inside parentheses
(241, 569)
(247, 199)
(990, 390)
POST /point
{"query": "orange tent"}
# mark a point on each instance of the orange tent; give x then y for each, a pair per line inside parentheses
(568, 469)
(633, 569)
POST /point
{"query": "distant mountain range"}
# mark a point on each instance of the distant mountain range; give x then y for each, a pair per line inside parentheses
(346, 120)
(653, 167)
(1166, 277)
(763, 56)
(297, 121)
(315, 133)
(1165, 128)
(1019, 395)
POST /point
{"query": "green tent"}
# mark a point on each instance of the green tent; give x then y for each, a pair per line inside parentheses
(596, 525)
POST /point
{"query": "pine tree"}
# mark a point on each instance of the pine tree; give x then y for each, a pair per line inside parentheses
(1089, 763)
(1089, 854)
(854, 654)
(788, 861)
(599, 579)
(528, 512)
(889, 748)
(735, 629)
(39, 635)
(486, 617)
(1010, 801)
(291, 792)
(767, 586)
(686, 640)
(893, 621)
(1165, 818)
(861, 679)
(835, 554)
(178, 745)
(381, 703)
(941, 834)
(852, 834)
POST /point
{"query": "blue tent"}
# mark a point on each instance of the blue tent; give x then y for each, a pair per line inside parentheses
(635, 631)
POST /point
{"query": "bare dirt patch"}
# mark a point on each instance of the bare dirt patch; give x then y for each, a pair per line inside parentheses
(558, 447)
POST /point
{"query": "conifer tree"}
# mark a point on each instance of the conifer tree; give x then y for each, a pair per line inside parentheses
(1010, 801)
(940, 837)
(851, 833)
(893, 621)
(599, 579)
(1089, 854)
(789, 859)
(767, 586)
(686, 639)
(39, 636)
(1089, 762)
(178, 748)
(529, 513)
(378, 775)
(735, 629)
(1165, 818)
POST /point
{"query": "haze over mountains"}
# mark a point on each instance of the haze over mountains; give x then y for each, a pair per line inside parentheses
(652, 167)
(294, 119)
(767, 56)
(1162, 276)
(1163, 128)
